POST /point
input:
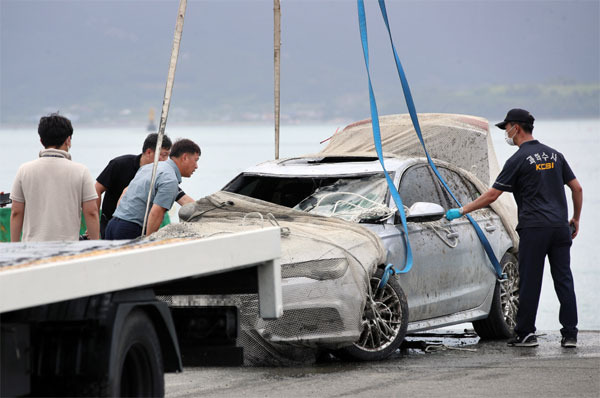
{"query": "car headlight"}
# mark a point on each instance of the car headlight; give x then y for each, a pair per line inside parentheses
(330, 268)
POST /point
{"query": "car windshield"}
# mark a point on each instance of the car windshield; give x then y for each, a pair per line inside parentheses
(353, 198)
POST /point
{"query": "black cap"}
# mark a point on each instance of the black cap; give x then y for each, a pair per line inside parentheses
(516, 115)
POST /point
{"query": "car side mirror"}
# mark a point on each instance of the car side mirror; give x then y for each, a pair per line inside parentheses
(425, 211)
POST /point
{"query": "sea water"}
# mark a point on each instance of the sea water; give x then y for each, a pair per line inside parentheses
(229, 149)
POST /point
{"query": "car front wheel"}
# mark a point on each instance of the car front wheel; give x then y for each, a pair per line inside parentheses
(502, 317)
(384, 322)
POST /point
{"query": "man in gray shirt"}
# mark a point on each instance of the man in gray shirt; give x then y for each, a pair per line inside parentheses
(128, 218)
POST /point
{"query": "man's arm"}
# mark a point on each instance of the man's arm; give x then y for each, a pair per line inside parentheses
(100, 189)
(185, 199)
(90, 214)
(121, 197)
(484, 200)
(17, 213)
(155, 218)
(577, 196)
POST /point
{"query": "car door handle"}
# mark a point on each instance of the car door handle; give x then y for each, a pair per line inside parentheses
(490, 228)
(452, 235)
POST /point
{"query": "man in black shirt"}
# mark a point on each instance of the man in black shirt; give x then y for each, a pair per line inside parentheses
(536, 175)
(120, 171)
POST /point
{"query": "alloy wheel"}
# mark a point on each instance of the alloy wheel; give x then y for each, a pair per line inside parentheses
(381, 318)
(509, 293)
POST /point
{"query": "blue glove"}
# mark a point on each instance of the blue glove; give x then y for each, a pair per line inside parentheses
(453, 213)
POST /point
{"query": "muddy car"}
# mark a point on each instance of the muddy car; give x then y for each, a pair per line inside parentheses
(331, 287)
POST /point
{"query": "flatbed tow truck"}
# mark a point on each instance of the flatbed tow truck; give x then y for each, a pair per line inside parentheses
(86, 318)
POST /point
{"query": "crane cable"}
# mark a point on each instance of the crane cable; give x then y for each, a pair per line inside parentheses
(166, 103)
(276, 70)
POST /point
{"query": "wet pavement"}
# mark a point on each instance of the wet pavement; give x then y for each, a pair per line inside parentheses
(467, 368)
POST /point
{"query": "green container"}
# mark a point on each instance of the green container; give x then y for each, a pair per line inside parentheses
(5, 224)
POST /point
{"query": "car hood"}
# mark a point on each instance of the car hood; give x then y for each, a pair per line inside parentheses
(307, 240)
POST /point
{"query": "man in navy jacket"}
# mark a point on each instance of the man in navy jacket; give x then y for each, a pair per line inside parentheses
(536, 175)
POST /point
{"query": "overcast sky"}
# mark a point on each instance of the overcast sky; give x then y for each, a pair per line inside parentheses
(58, 53)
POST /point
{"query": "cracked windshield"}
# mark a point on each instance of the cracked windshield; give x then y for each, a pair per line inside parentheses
(357, 199)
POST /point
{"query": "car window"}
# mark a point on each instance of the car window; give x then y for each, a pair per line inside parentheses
(462, 189)
(285, 191)
(417, 185)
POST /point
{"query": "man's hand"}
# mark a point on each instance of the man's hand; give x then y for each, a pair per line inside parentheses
(453, 213)
(577, 196)
(574, 223)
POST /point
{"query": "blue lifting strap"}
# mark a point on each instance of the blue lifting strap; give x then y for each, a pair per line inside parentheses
(378, 147)
(413, 115)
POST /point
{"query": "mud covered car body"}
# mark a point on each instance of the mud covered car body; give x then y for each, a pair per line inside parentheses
(331, 292)
(452, 280)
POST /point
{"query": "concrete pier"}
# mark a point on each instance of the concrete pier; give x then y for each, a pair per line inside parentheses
(485, 369)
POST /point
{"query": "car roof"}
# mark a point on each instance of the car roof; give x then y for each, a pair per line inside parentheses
(323, 166)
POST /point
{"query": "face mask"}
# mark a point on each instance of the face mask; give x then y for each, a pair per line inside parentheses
(509, 140)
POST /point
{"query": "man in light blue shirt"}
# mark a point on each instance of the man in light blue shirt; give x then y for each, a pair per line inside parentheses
(128, 218)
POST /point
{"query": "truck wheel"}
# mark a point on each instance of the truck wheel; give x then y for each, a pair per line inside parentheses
(139, 364)
(502, 317)
(385, 320)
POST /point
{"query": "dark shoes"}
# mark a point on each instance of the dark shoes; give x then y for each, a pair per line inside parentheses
(530, 340)
(523, 341)
(568, 342)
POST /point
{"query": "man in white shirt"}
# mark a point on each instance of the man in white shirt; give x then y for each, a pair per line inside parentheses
(49, 193)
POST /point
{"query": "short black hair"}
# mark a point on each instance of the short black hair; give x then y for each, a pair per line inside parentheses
(54, 130)
(527, 127)
(183, 145)
(150, 142)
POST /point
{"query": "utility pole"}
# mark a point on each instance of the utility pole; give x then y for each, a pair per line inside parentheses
(276, 53)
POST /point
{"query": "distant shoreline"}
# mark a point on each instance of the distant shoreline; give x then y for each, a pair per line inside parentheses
(242, 123)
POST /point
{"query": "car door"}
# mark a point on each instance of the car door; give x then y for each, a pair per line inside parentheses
(440, 252)
(476, 268)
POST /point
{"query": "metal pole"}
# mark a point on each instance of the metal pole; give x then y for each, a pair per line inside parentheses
(276, 51)
(166, 102)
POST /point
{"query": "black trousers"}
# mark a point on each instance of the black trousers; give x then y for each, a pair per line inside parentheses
(122, 229)
(103, 224)
(535, 245)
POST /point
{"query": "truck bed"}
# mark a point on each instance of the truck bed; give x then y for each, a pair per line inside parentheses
(39, 273)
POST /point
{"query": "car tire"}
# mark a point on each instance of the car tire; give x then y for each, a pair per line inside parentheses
(138, 371)
(388, 309)
(503, 314)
